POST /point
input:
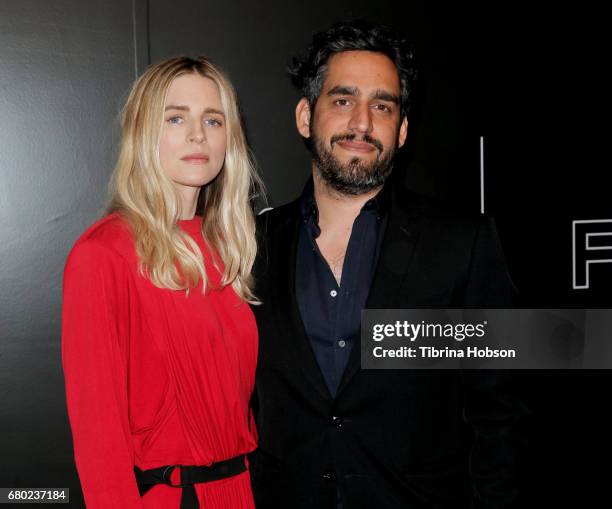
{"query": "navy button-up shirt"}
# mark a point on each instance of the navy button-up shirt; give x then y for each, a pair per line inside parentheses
(332, 314)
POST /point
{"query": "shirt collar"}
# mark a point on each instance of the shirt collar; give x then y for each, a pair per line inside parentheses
(308, 206)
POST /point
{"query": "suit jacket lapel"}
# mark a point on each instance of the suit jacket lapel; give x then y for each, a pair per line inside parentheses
(397, 252)
(282, 262)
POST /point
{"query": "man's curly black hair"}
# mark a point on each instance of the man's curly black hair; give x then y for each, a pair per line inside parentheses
(308, 71)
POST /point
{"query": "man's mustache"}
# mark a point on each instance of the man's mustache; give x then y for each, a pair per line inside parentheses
(352, 137)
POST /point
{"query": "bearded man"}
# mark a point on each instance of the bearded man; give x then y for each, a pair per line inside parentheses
(332, 435)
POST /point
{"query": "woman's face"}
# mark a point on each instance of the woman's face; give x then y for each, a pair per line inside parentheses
(193, 139)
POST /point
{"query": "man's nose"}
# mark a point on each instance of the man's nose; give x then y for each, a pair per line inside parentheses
(361, 119)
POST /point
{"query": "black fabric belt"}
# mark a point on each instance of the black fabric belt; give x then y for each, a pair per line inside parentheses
(190, 475)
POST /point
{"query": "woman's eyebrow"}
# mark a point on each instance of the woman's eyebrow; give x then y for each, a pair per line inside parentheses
(214, 110)
(186, 108)
(176, 107)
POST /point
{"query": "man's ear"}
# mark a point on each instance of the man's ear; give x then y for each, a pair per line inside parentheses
(403, 132)
(302, 117)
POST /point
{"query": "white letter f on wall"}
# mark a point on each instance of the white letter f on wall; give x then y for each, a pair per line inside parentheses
(591, 243)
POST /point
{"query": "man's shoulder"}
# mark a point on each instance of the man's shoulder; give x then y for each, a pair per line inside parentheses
(275, 227)
(271, 219)
(436, 215)
(411, 203)
(406, 206)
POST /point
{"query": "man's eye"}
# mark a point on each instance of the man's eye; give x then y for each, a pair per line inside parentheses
(382, 107)
(175, 120)
(341, 102)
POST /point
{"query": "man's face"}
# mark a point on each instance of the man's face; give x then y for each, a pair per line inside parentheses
(356, 126)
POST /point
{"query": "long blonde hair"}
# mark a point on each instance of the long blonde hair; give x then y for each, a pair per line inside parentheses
(143, 194)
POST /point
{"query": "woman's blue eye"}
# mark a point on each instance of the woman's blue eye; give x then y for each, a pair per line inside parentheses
(212, 122)
(175, 120)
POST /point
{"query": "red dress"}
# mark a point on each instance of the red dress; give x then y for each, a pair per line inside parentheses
(153, 377)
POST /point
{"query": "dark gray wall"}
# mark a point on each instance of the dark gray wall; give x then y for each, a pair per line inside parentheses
(516, 73)
(65, 67)
(253, 42)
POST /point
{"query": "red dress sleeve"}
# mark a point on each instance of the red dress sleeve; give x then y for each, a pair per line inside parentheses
(95, 349)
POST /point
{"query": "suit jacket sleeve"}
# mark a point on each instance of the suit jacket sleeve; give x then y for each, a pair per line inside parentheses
(493, 409)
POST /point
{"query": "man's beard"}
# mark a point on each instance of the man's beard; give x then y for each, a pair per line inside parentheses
(355, 177)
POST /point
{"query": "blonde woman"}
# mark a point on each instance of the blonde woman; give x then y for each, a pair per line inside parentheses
(159, 344)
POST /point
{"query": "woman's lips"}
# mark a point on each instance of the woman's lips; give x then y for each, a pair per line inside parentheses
(195, 159)
(356, 146)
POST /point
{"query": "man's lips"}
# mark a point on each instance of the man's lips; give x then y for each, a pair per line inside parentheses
(356, 146)
(195, 158)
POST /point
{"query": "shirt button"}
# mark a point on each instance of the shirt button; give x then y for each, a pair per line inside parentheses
(342, 343)
(333, 293)
(329, 476)
(338, 422)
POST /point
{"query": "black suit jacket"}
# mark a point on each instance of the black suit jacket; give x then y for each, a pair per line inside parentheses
(389, 439)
